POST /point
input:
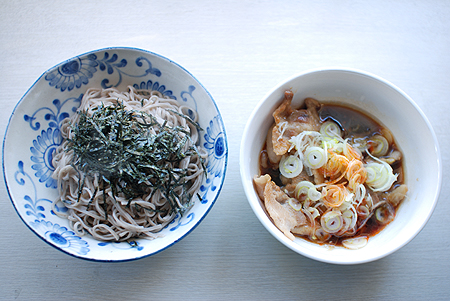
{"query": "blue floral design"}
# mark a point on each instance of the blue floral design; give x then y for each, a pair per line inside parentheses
(45, 144)
(155, 86)
(61, 236)
(32, 208)
(74, 73)
(216, 147)
(54, 117)
(107, 64)
(43, 148)
(77, 71)
(132, 244)
(187, 95)
(190, 216)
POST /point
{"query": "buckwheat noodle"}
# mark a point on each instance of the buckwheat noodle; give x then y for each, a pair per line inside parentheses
(86, 211)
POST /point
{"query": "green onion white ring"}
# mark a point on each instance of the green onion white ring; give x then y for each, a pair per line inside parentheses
(385, 213)
(314, 212)
(314, 195)
(315, 157)
(303, 188)
(330, 129)
(332, 221)
(355, 242)
(380, 177)
(294, 204)
(382, 146)
(307, 188)
(290, 166)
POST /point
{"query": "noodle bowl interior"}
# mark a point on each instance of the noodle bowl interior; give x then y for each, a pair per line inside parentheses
(129, 163)
(329, 174)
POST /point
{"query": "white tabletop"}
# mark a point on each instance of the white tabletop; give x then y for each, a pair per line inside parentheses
(239, 50)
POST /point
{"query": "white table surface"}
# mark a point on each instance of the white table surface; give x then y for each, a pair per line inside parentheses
(239, 50)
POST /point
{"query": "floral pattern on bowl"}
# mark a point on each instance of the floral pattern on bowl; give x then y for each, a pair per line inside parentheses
(33, 133)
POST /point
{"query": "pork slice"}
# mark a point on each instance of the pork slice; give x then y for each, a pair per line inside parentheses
(303, 230)
(397, 195)
(273, 157)
(303, 176)
(260, 183)
(290, 122)
(282, 214)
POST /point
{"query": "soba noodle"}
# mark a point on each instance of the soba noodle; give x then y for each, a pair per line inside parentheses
(103, 210)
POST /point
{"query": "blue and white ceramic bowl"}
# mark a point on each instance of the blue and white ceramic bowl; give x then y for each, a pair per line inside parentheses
(33, 134)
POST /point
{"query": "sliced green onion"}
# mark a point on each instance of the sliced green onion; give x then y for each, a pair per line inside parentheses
(380, 176)
(314, 195)
(345, 205)
(330, 129)
(349, 198)
(308, 189)
(349, 151)
(363, 211)
(290, 166)
(305, 138)
(360, 143)
(381, 146)
(360, 194)
(321, 235)
(350, 218)
(333, 144)
(331, 221)
(385, 213)
(314, 212)
(281, 128)
(303, 188)
(355, 242)
(295, 204)
(315, 157)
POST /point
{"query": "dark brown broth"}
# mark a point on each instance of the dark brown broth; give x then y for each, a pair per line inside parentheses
(352, 122)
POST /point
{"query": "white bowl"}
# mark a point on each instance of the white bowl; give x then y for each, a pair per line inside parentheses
(390, 106)
(33, 133)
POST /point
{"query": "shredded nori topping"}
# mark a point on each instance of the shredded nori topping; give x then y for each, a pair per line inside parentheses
(117, 145)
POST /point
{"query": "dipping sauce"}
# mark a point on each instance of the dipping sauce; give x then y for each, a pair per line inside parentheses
(329, 173)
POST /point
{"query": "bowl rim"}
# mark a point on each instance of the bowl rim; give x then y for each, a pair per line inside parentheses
(118, 48)
(255, 204)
